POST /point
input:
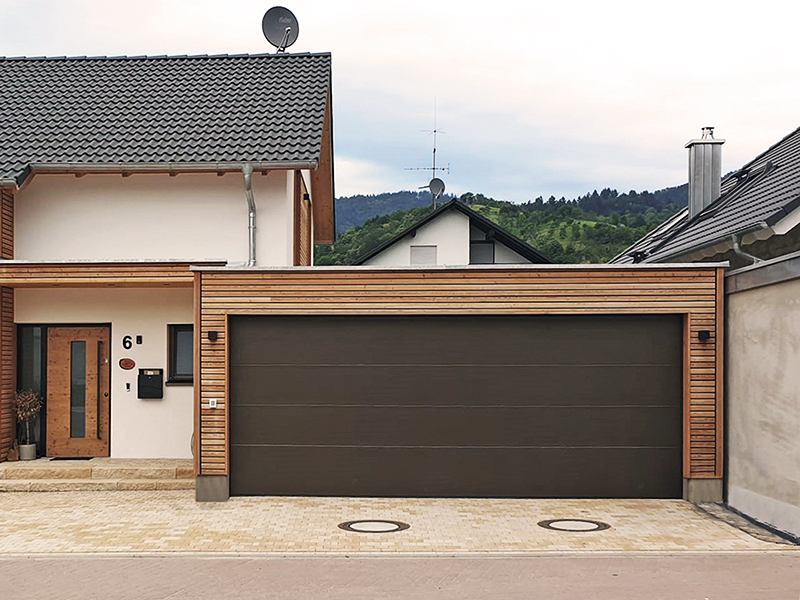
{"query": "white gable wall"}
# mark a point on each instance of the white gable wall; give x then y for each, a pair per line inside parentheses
(449, 232)
(503, 255)
(190, 216)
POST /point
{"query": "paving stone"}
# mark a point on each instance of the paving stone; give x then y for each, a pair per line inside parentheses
(136, 484)
(185, 472)
(171, 521)
(132, 473)
(25, 472)
(71, 485)
(174, 484)
(15, 485)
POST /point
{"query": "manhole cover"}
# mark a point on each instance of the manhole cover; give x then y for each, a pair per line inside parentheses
(372, 526)
(574, 525)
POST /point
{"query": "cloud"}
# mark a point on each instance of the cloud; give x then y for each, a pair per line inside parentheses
(536, 98)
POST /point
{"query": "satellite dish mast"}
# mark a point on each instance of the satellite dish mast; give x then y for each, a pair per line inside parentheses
(280, 27)
(435, 185)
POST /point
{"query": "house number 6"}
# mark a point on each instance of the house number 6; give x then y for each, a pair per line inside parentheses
(127, 342)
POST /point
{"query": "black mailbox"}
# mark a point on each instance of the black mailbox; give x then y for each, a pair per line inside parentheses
(151, 383)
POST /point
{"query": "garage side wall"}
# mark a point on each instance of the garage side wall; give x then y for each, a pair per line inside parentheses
(694, 292)
(763, 352)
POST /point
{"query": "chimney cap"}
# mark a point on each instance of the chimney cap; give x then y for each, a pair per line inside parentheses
(708, 138)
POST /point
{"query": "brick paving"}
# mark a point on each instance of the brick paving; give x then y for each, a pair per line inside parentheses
(141, 522)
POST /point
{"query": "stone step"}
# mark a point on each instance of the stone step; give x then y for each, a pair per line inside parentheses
(19, 471)
(93, 485)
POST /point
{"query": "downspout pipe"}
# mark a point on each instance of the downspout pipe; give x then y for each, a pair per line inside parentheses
(247, 171)
(737, 249)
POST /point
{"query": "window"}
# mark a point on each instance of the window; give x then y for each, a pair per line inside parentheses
(481, 253)
(180, 349)
(423, 255)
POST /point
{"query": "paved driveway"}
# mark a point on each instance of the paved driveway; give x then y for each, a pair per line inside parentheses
(171, 521)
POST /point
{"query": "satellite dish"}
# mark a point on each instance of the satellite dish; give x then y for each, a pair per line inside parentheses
(436, 186)
(280, 27)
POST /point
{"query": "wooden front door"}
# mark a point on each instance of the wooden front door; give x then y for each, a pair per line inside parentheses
(78, 391)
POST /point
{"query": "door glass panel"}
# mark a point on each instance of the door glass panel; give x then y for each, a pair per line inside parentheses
(77, 398)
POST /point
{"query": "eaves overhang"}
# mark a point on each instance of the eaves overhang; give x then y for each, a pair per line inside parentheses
(79, 168)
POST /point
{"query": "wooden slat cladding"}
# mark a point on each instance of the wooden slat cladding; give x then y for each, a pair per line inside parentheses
(322, 187)
(7, 330)
(101, 274)
(6, 224)
(302, 222)
(8, 380)
(691, 291)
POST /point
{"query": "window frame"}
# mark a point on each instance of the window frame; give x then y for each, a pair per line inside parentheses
(483, 243)
(172, 354)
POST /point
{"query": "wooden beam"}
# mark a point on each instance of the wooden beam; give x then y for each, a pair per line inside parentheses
(322, 187)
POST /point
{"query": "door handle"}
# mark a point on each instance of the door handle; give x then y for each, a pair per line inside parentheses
(105, 395)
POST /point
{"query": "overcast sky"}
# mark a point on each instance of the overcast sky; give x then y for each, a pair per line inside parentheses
(535, 98)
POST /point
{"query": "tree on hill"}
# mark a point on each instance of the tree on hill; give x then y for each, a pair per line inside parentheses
(590, 229)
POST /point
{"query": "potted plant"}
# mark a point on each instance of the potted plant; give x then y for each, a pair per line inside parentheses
(27, 405)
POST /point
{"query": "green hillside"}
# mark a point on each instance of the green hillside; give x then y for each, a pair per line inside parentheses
(590, 229)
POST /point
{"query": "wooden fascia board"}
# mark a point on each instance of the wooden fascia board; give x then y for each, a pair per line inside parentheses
(322, 192)
(98, 275)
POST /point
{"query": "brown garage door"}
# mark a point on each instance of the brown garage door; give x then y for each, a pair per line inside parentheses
(483, 406)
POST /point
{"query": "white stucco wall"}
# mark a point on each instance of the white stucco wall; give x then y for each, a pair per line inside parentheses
(190, 216)
(503, 255)
(449, 233)
(763, 403)
(139, 428)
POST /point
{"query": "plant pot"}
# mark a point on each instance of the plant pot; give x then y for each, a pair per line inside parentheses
(27, 451)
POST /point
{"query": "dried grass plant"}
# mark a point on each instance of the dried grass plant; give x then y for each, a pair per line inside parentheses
(27, 405)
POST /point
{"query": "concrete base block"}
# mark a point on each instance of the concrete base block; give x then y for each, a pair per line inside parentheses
(212, 488)
(702, 490)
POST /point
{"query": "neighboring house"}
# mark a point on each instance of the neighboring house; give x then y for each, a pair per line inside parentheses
(119, 174)
(128, 235)
(453, 234)
(751, 220)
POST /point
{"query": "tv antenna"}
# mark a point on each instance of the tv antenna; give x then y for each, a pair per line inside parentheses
(435, 185)
(280, 27)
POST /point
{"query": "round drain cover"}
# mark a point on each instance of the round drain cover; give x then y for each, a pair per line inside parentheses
(574, 525)
(372, 526)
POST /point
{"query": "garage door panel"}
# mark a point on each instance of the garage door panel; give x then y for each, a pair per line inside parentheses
(496, 406)
(453, 340)
(468, 384)
(454, 472)
(462, 426)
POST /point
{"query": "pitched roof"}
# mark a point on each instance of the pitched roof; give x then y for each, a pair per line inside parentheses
(476, 220)
(756, 197)
(162, 109)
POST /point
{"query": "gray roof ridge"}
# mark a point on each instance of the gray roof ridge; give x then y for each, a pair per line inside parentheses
(165, 56)
(760, 156)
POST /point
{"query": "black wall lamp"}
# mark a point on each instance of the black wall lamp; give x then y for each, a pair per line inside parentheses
(212, 336)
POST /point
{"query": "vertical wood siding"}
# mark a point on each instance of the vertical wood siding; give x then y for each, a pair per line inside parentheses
(8, 361)
(8, 379)
(302, 222)
(693, 292)
(6, 224)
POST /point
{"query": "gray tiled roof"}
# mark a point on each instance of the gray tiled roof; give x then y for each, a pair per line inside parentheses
(178, 109)
(756, 196)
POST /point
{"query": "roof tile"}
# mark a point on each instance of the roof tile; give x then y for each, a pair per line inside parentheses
(268, 107)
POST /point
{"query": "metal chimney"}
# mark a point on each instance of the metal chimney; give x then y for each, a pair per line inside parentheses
(705, 170)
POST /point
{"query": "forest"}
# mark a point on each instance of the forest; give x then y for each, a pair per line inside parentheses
(590, 229)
